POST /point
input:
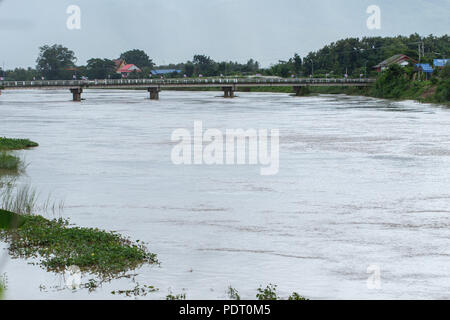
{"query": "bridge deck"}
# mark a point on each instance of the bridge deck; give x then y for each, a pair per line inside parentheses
(179, 83)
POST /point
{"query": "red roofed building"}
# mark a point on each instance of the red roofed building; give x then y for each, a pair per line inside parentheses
(124, 69)
(400, 59)
(119, 64)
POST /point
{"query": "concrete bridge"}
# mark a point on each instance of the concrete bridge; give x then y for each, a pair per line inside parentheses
(154, 86)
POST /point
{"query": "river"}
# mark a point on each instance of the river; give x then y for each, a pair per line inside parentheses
(362, 183)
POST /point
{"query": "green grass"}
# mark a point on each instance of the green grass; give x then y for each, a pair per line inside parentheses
(59, 245)
(9, 220)
(9, 162)
(7, 144)
(2, 285)
(20, 200)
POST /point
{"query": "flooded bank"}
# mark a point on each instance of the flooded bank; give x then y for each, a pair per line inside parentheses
(362, 182)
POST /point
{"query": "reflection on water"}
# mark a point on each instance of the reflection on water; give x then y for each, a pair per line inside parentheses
(362, 182)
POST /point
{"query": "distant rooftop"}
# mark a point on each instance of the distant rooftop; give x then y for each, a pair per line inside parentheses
(398, 58)
(441, 62)
(165, 71)
(129, 68)
(425, 67)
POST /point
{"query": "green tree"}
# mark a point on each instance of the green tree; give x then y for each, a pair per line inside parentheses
(138, 58)
(392, 82)
(281, 69)
(442, 93)
(205, 65)
(100, 68)
(444, 73)
(20, 74)
(297, 63)
(55, 62)
(189, 69)
(252, 66)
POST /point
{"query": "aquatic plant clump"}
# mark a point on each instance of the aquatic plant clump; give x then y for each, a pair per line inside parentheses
(7, 144)
(59, 246)
(9, 162)
(21, 200)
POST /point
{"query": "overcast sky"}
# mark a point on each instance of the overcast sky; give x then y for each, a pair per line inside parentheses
(175, 30)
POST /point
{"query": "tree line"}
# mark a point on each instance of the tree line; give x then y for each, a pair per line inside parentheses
(352, 56)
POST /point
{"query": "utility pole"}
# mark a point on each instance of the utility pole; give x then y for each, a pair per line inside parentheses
(365, 69)
(421, 51)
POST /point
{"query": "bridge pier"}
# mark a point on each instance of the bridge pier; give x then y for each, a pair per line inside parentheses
(154, 93)
(76, 92)
(228, 92)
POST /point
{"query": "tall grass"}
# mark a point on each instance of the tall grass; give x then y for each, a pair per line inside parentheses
(24, 200)
(10, 162)
(2, 285)
(20, 200)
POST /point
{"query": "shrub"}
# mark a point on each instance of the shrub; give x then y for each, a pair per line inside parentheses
(443, 91)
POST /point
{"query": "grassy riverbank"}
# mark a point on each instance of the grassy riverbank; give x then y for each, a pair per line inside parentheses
(422, 91)
(396, 83)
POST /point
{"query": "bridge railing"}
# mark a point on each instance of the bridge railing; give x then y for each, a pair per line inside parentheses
(206, 81)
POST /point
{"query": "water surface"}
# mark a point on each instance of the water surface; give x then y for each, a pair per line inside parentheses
(362, 182)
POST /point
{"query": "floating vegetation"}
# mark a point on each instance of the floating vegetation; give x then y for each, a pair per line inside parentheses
(181, 296)
(91, 285)
(59, 245)
(296, 296)
(7, 144)
(56, 243)
(9, 220)
(270, 293)
(136, 291)
(233, 294)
